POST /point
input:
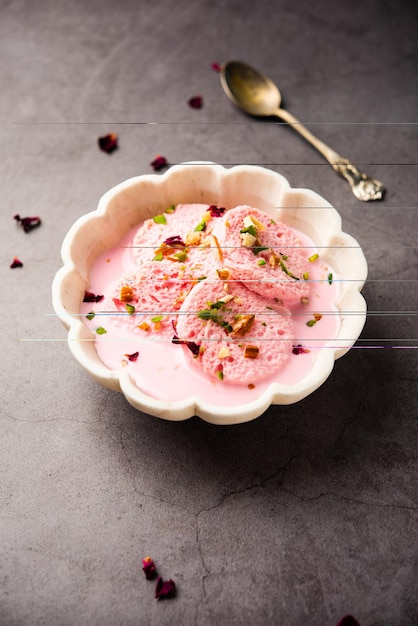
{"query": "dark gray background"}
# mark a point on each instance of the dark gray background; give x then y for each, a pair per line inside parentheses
(310, 511)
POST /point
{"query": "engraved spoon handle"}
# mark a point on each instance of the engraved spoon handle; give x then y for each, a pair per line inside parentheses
(364, 187)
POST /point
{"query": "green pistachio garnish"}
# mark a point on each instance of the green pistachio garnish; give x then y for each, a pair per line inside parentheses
(286, 271)
(311, 323)
(305, 276)
(130, 308)
(313, 258)
(200, 227)
(171, 209)
(330, 279)
(249, 229)
(156, 319)
(160, 219)
(90, 315)
(212, 314)
(101, 330)
(257, 249)
(261, 262)
(181, 256)
(158, 257)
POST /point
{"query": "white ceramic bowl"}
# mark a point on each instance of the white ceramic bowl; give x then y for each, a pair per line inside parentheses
(133, 201)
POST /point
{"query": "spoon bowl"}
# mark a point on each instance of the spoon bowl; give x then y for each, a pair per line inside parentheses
(251, 90)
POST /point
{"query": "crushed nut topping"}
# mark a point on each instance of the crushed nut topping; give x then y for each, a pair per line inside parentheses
(242, 325)
(224, 352)
(126, 294)
(223, 274)
(193, 238)
(211, 241)
(251, 352)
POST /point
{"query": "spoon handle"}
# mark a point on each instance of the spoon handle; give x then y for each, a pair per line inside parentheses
(363, 187)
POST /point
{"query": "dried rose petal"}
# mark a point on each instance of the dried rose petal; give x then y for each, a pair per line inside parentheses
(16, 263)
(175, 241)
(165, 588)
(148, 566)
(196, 102)
(159, 163)
(108, 143)
(28, 223)
(193, 347)
(299, 349)
(89, 296)
(216, 211)
(133, 356)
(216, 66)
(348, 620)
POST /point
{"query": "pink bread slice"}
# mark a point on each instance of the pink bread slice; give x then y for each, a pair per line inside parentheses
(242, 336)
(274, 265)
(181, 221)
(144, 300)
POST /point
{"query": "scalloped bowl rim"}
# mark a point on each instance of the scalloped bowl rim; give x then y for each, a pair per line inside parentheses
(120, 208)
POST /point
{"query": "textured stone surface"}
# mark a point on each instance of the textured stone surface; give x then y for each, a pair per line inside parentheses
(309, 512)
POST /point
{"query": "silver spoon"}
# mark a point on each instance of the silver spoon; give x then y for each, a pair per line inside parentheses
(257, 95)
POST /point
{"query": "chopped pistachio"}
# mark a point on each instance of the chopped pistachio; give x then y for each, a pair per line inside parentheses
(249, 228)
(259, 225)
(90, 315)
(193, 238)
(224, 352)
(171, 209)
(287, 271)
(251, 352)
(101, 330)
(248, 239)
(257, 249)
(203, 223)
(223, 273)
(242, 325)
(274, 259)
(313, 257)
(330, 279)
(180, 256)
(130, 309)
(261, 262)
(226, 299)
(160, 219)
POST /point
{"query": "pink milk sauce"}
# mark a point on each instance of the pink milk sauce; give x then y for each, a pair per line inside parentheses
(166, 371)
